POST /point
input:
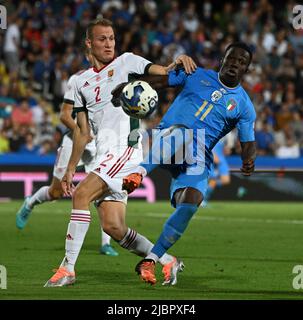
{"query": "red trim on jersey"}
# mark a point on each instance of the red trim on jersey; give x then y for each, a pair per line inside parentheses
(118, 166)
(117, 162)
(121, 165)
(98, 70)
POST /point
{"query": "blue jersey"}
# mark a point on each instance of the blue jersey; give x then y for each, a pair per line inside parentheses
(207, 103)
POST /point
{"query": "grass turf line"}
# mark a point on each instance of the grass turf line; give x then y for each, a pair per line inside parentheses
(234, 250)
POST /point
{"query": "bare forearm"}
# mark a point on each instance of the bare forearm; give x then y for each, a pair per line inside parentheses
(156, 81)
(79, 142)
(248, 156)
(248, 151)
(66, 116)
(68, 122)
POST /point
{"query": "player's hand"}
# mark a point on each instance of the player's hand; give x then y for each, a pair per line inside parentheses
(117, 93)
(248, 167)
(132, 182)
(90, 139)
(187, 62)
(67, 183)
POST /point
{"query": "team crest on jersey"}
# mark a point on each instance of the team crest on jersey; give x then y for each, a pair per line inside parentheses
(110, 73)
(216, 95)
(231, 104)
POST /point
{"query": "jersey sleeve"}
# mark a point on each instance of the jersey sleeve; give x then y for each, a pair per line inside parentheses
(135, 64)
(177, 78)
(246, 123)
(79, 104)
(70, 92)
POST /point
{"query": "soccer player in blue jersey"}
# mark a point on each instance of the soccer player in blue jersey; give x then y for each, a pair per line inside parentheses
(219, 175)
(211, 102)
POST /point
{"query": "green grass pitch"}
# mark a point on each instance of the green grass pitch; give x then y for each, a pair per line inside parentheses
(233, 250)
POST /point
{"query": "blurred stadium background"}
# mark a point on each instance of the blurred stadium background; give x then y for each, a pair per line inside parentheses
(43, 46)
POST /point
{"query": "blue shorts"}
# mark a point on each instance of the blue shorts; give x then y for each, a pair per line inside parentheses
(193, 171)
(184, 180)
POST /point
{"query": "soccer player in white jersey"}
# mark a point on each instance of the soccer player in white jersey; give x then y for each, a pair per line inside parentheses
(116, 157)
(54, 191)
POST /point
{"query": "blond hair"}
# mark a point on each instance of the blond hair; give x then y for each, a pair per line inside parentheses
(97, 22)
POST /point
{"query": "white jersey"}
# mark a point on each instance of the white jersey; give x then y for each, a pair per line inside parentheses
(69, 95)
(69, 98)
(110, 124)
(65, 150)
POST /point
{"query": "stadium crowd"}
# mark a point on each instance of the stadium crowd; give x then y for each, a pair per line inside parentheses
(44, 40)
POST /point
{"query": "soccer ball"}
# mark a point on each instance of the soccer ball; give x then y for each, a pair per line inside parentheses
(139, 99)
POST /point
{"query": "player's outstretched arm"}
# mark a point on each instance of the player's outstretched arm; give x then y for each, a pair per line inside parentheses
(81, 137)
(183, 60)
(248, 156)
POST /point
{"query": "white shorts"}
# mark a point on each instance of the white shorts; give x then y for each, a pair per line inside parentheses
(64, 152)
(113, 166)
(113, 196)
(88, 160)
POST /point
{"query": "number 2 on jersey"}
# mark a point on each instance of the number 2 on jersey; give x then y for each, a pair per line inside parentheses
(109, 157)
(97, 90)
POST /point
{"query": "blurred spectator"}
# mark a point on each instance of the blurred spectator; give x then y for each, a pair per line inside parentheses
(12, 42)
(290, 150)
(44, 43)
(29, 146)
(4, 142)
(45, 129)
(297, 126)
(265, 140)
(47, 147)
(17, 138)
(22, 114)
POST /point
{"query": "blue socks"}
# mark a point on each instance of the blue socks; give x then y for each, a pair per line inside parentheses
(174, 227)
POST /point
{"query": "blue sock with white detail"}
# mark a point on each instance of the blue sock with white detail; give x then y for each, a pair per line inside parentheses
(173, 229)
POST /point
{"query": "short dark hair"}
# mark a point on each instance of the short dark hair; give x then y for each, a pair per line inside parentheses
(241, 45)
(97, 22)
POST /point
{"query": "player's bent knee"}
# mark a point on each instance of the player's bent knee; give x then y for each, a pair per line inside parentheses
(188, 195)
(115, 231)
(81, 196)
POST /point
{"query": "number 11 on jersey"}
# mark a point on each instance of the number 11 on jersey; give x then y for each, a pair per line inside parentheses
(201, 109)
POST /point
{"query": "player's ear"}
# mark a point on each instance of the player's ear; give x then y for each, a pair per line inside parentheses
(88, 43)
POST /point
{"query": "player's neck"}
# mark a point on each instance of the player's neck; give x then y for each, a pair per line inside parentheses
(230, 84)
(99, 65)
